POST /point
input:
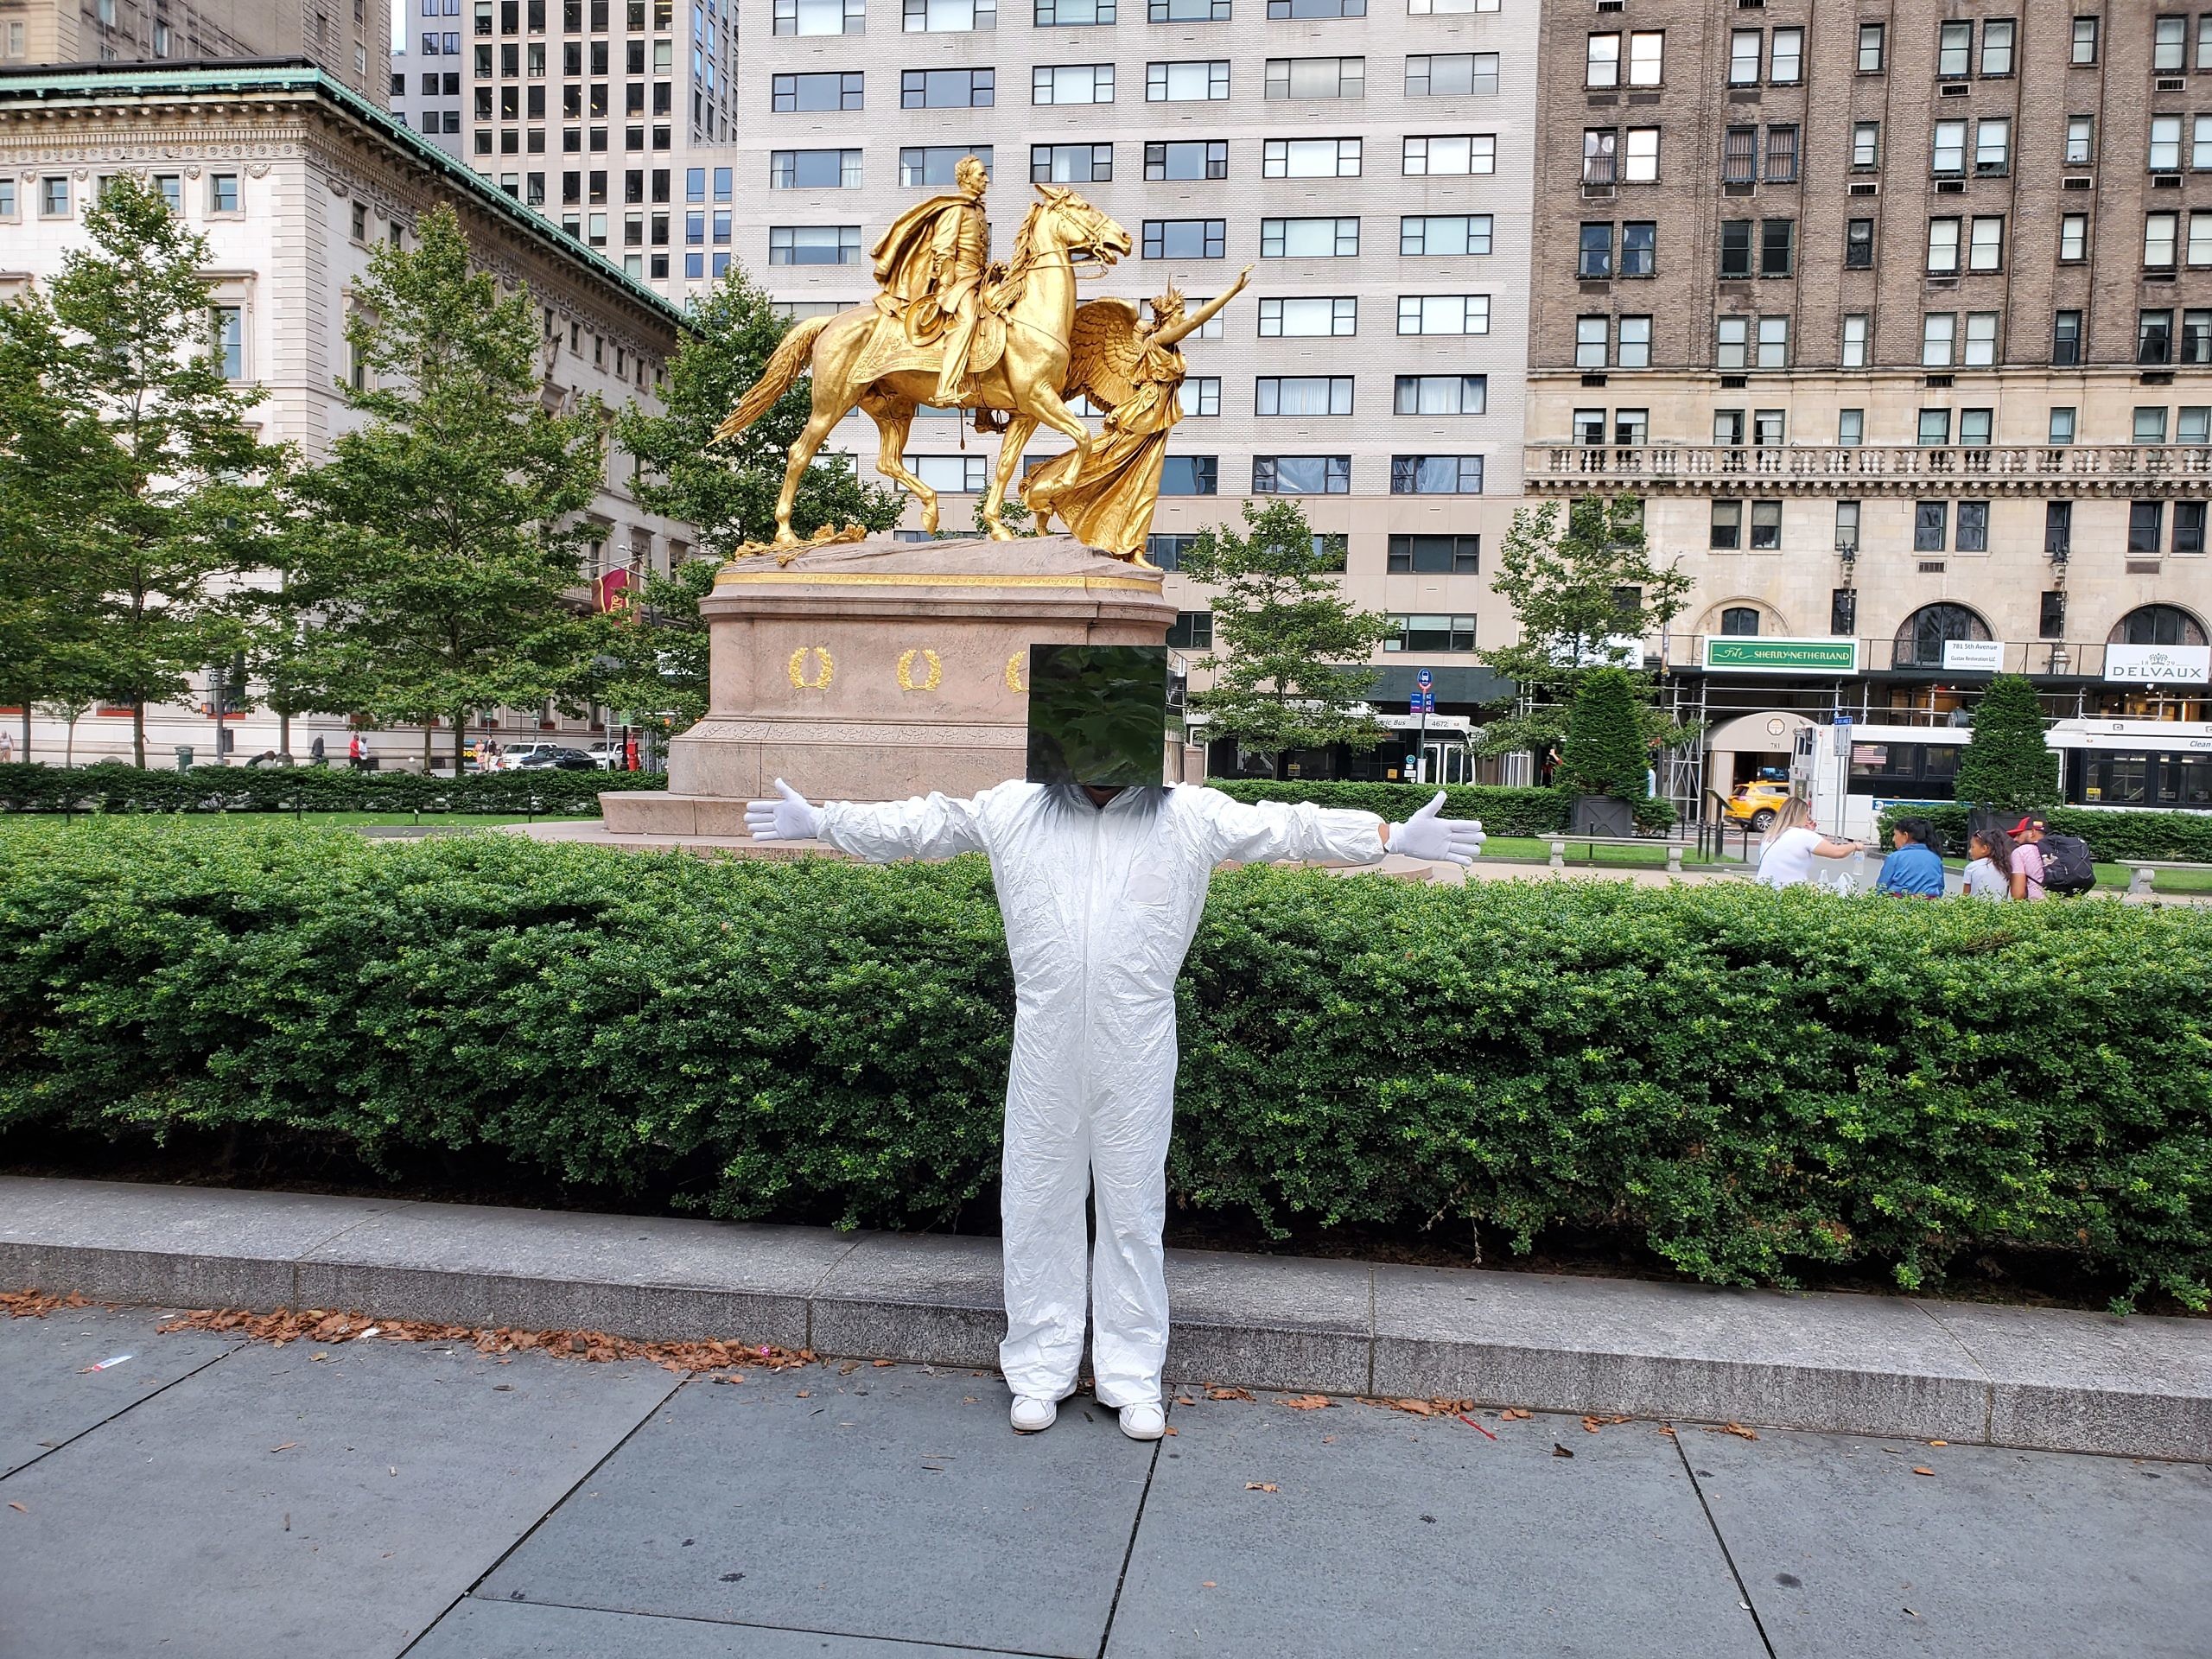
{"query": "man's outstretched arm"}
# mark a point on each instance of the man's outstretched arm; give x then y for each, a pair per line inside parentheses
(934, 826)
(1266, 831)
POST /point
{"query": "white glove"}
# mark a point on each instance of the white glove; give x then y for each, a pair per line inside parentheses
(789, 819)
(1452, 841)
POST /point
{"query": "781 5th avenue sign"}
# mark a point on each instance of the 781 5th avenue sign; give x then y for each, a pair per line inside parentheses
(1768, 654)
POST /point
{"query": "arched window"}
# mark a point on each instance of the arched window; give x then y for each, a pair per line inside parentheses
(2156, 624)
(1920, 639)
(1740, 620)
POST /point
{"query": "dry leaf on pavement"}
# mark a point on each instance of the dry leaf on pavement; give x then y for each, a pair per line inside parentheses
(1922, 1469)
(1259, 1486)
(1732, 1427)
(1559, 1450)
(883, 1364)
(19, 1509)
(1513, 1414)
(1591, 1425)
(1229, 1393)
(1305, 1401)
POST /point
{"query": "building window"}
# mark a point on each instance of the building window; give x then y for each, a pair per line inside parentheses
(942, 16)
(1436, 474)
(1071, 83)
(1947, 152)
(1069, 164)
(927, 165)
(1305, 394)
(2085, 41)
(1190, 475)
(1782, 154)
(1639, 246)
(1920, 641)
(2154, 336)
(1935, 430)
(1739, 622)
(1192, 159)
(1184, 238)
(2149, 423)
(1440, 235)
(1309, 238)
(1954, 50)
(2058, 528)
(1308, 318)
(814, 169)
(2159, 231)
(2073, 237)
(1073, 14)
(1726, 533)
(947, 89)
(1766, 526)
(2061, 428)
(1440, 555)
(222, 192)
(1847, 527)
(1166, 551)
(1600, 149)
(1315, 77)
(1301, 474)
(1942, 247)
(815, 17)
(2081, 140)
(1930, 521)
(229, 331)
(1186, 83)
(2146, 525)
(1858, 245)
(1602, 61)
(1432, 633)
(1850, 427)
(1640, 161)
(2050, 615)
(1869, 48)
(1981, 340)
(1441, 394)
(1735, 250)
(1938, 339)
(2165, 143)
(952, 475)
(1855, 339)
(1865, 146)
(1201, 395)
(1454, 153)
(1973, 528)
(1594, 259)
(1455, 74)
(1974, 426)
(814, 244)
(1777, 247)
(790, 93)
(1192, 630)
(1298, 158)
(2065, 339)
(2196, 337)
(2193, 424)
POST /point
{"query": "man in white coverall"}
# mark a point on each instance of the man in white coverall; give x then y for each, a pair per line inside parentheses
(1100, 889)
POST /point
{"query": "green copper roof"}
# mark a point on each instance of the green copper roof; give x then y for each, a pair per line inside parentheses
(297, 76)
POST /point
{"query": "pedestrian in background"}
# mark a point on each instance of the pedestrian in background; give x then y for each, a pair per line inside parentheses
(2027, 857)
(315, 752)
(1989, 870)
(1914, 868)
(7, 747)
(1791, 843)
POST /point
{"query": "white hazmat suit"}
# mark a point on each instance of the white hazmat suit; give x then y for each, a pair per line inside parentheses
(1100, 904)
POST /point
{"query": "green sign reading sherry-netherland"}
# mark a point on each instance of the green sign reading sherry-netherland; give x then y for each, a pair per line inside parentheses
(1751, 654)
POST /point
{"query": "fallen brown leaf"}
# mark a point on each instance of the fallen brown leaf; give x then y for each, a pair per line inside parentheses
(287, 1447)
(1922, 1469)
(1591, 1425)
(19, 1509)
(1185, 1400)
(848, 1368)
(1513, 1414)
(1328, 1440)
(1229, 1393)
(1305, 1401)
(883, 1364)
(1735, 1429)
(1259, 1486)
(1668, 1429)
(1559, 1450)
(1209, 1585)
(1939, 1442)
(314, 1324)
(1171, 1428)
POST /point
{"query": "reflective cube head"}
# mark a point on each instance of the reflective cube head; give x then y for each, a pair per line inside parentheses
(1098, 714)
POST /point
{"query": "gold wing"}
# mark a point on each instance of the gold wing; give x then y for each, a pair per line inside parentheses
(1103, 351)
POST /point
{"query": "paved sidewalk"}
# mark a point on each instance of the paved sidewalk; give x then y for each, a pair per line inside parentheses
(1963, 1372)
(205, 1497)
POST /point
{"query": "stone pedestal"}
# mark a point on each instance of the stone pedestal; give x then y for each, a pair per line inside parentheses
(877, 670)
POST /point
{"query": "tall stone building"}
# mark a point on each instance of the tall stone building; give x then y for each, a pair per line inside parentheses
(430, 73)
(1375, 170)
(1900, 319)
(349, 39)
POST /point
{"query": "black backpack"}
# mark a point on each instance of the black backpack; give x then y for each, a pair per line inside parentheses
(2066, 866)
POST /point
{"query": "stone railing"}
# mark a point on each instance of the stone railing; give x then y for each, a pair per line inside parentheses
(2129, 469)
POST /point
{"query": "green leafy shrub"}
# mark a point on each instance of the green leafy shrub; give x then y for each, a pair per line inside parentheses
(2007, 766)
(2183, 838)
(1754, 1080)
(104, 788)
(1604, 752)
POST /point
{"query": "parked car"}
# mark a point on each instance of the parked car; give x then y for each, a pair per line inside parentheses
(608, 755)
(514, 754)
(550, 757)
(1756, 803)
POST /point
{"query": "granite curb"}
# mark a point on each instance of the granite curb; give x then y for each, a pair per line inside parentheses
(2041, 1378)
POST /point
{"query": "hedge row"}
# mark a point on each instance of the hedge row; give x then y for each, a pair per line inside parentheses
(2184, 836)
(109, 788)
(1753, 1080)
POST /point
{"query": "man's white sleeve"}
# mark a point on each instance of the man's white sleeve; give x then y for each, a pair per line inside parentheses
(933, 826)
(1267, 831)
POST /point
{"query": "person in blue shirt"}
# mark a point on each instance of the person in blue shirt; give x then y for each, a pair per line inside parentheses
(1914, 868)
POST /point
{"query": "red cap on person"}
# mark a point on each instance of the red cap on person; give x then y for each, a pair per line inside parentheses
(2025, 824)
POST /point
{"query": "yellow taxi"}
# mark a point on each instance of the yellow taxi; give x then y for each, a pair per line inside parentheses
(1756, 803)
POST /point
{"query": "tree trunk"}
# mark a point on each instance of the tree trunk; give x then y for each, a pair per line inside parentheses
(460, 742)
(284, 734)
(138, 732)
(26, 731)
(428, 752)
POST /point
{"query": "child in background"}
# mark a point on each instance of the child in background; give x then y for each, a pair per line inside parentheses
(1990, 875)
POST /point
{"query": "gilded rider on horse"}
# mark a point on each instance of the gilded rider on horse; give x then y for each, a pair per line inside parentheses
(930, 268)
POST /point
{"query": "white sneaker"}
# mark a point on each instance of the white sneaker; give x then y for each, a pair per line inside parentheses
(1143, 1422)
(1033, 1416)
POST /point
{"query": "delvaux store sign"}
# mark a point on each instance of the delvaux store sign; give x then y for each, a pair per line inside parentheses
(1730, 653)
(2159, 664)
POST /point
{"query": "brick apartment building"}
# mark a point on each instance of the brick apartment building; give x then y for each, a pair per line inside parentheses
(1900, 318)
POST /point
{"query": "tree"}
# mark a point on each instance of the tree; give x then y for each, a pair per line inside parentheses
(156, 493)
(729, 492)
(2007, 766)
(652, 655)
(1586, 593)
(42, 561)
(448, 535)
(1282, 625)
(1605, 749)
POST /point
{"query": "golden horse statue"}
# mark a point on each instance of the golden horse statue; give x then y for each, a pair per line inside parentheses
(861, 359)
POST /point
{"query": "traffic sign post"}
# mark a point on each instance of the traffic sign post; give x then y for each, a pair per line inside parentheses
(1424, 701)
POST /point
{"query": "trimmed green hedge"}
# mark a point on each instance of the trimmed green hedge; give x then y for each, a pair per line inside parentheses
(2183, 837)
(309, 788)
(1503, 811)
(1753, 1080)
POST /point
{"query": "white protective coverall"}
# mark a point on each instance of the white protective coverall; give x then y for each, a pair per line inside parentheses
(1100, 905)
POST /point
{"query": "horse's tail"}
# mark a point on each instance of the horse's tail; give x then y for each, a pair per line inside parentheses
(785, 366)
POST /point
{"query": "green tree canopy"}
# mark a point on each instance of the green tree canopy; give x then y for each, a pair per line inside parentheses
(1604, 752)
(1586, 592)
(2007, 766)
(132, 463)
(1289, 668)
(449, 538)
(652, 659)
(729, 492)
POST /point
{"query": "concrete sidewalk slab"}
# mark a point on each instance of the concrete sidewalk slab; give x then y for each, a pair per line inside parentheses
(515, 1629)
(1410, 1536)
(2060, 1380)
(866, 1505)
(1845, 1551)
(49, 1394)
(276, 1504)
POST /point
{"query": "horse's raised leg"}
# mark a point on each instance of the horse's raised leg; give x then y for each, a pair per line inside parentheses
(893, 417)
(1015, 439)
